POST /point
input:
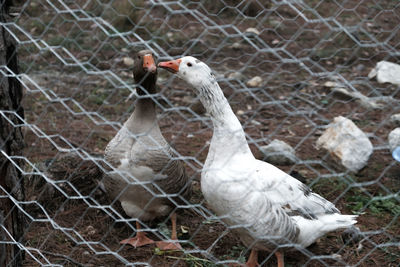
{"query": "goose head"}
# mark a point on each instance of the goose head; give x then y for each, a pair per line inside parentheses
(191, 70)
(145, 70)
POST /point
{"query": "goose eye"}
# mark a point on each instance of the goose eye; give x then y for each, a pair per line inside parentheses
(189, 64)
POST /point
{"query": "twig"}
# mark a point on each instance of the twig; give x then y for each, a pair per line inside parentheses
(64, 257)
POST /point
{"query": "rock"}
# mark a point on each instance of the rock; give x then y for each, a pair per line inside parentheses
(170, 37)
(386, 72)
(395, 119)
(128, 61)
(240, 112)
(336, 256)
(346, 143)
(252, 31)
(237, 46)
(254, 82)
(331, 84)
(279, 152)
(377, 102)
(236, 75)
(394, 139)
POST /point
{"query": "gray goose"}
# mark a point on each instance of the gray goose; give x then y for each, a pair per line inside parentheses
(140, 150)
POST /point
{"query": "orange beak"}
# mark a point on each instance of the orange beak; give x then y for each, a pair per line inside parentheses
(148, 63)
(172, 66)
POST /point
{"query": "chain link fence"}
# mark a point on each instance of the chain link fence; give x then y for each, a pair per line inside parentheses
(76, 57)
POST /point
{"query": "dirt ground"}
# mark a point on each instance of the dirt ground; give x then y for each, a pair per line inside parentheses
(81, 105)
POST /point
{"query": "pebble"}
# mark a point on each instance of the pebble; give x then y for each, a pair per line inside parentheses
(128, 61)
(236, 75)
(255, 82)
(252, 30)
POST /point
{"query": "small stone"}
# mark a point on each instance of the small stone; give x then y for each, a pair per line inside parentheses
(279, 152)
(395, 119)
(170, 37)
(236, 75)
(240, 112)
(187, 99)
(336, 256)
(128, 61)
(90, 230)
(394, 139)
(254, 82)
(331, 84)
(252, 30)
(86, 253)
(237, 46)
(346, 143)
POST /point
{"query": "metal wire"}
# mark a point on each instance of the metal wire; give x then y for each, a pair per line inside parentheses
(79, 90)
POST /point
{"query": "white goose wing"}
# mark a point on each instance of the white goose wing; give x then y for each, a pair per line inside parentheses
(295, 198)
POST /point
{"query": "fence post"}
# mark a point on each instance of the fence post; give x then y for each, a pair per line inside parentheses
(11, 143)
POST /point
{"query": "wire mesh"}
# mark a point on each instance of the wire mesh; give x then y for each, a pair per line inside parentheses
(76, 69)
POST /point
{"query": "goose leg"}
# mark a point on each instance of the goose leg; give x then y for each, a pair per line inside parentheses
(253, 259)
(165, 245)
(139, 240)
(279, 257)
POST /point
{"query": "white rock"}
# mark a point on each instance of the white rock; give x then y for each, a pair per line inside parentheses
(346, 142)
(394, 139)
(236, 75)
(279, 152)
(395, 119)
(377, 102)
(170, 36)
(386, 72)
(254, 82)
(128, 61)
(336, 256)
(252, 30)
(236, 46)
(331, 84)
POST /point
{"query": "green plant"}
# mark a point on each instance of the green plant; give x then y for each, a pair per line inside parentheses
(377, 205)
(237, 253)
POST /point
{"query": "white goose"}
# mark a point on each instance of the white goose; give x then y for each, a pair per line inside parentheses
(267, 208)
